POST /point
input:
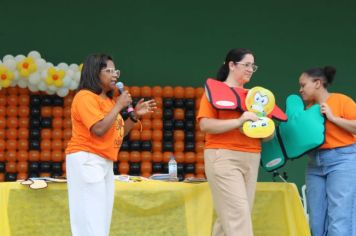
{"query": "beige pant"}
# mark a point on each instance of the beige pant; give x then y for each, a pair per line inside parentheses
(232, 177)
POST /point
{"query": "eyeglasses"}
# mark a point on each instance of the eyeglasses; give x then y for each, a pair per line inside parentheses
(112, 71)
(247, 65)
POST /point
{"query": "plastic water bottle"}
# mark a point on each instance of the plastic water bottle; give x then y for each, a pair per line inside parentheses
(172, 169)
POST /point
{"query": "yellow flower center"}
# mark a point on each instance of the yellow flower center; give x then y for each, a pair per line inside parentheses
(25, 65)
(55, 77)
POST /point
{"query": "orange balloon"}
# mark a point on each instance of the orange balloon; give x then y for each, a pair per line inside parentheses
(2, 134)
(11, 133)
(146, 91)
(135, 156)
(24, 99)
(64, 167)
(57, 144)
(23, 91)
(22, 176)
(178, 135)
(178, 114)
(135, 91)
(2, 110)
(45, 174)
(179, 157)
(24, 111)
(199, 157)
(167, 92)
(68, 100)
(156, 146)
(179, 92)
(11, 144)
(23, 144)
(57, 134)
(199, 146)
(157, 125)
(10, 167)
(199, 168)
(146, 124)
(22, 155)
(189, 92)
(157, 113)
(124, 156)
(157, 157)
(2, 175)
(57, 112)
(146, 156)
(200, 176)
(11, 111)
(189, 157)
(135, 135)
(197, 104)
(146, 174)
(189, 175)
(67, 133)
(159, 101)
(199, 136)
(12, 90)
(46, 133)
(22, 167)
(23, 122)
(57, 156)
(157, 91)
(46, 144)
(13, 122)
(33, 155)
(67, 123)
(199, 91)
(46, 111)
(57, 123)
(11, 155)
(67, 112)
(2, 122)
(124, 168)
(2, 100)
(157, 135)
(167, 156)
(146, 135)
(45, 155)
(179, 146)
(2, 156)
(12, 100)
(23, 133)
(146, 167)
(147, 116)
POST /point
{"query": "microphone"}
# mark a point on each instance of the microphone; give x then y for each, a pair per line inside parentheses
(130, 110)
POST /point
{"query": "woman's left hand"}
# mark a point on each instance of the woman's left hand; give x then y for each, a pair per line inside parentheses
(143, 108)
(325, 109)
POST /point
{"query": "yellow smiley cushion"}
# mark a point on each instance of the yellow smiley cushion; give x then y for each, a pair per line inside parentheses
(262, 102)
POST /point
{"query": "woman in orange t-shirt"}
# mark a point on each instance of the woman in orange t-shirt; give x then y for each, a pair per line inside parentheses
(97, 133)
(331, 170)
(231, 158)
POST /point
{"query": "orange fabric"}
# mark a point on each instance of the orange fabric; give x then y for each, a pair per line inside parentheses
(233, 139)
(344, 107)
(87, 109)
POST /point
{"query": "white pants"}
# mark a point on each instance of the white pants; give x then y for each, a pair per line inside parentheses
(90, 193)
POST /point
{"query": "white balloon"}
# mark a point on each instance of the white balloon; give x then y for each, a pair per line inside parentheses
(49, 64)
(73, 85)
(50, 92)
(42, 86)
(10, 63)
(34, 78)
(8, 57)
(13, 83)
(73, 67)
(66, 81)
(41, 64)
(77, 76)
(44, 74)
(32, 88)
(63, 66)
(69, 73)
(52, 88)
(35, 55)
(22, 83)
(62, 92)
(19, 58)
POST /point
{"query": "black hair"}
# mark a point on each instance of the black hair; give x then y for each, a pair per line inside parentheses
(326, 74)
(234, 55)
(89, 78)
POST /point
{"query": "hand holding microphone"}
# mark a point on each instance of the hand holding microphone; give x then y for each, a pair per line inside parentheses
(126, 100)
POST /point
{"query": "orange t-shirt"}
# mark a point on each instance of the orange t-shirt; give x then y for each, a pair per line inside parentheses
(344, 107)
(233, 139)
(87, 109)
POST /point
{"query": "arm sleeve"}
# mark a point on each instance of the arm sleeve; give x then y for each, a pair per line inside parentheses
(349, 110)
(206, 109)
(88, 110)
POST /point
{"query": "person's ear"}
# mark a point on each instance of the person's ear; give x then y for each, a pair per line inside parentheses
(318, 83)
(232, 65)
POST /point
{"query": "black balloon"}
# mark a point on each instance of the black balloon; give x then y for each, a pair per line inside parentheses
(179, 124)
(58, 101)
(10, 177)
(2, 167)
(33, 167)
(157, 167)
(178, 103)
(167, 124)
(46, 122)
(167, 102)
(189, 168)
(135, 146)
(34, 144)
(45, 166)
(146, 146)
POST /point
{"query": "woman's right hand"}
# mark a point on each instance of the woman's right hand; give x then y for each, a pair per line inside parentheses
(247, 115)
(124, 99)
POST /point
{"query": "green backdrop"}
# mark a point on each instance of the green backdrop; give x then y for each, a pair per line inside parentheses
(156, 42)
